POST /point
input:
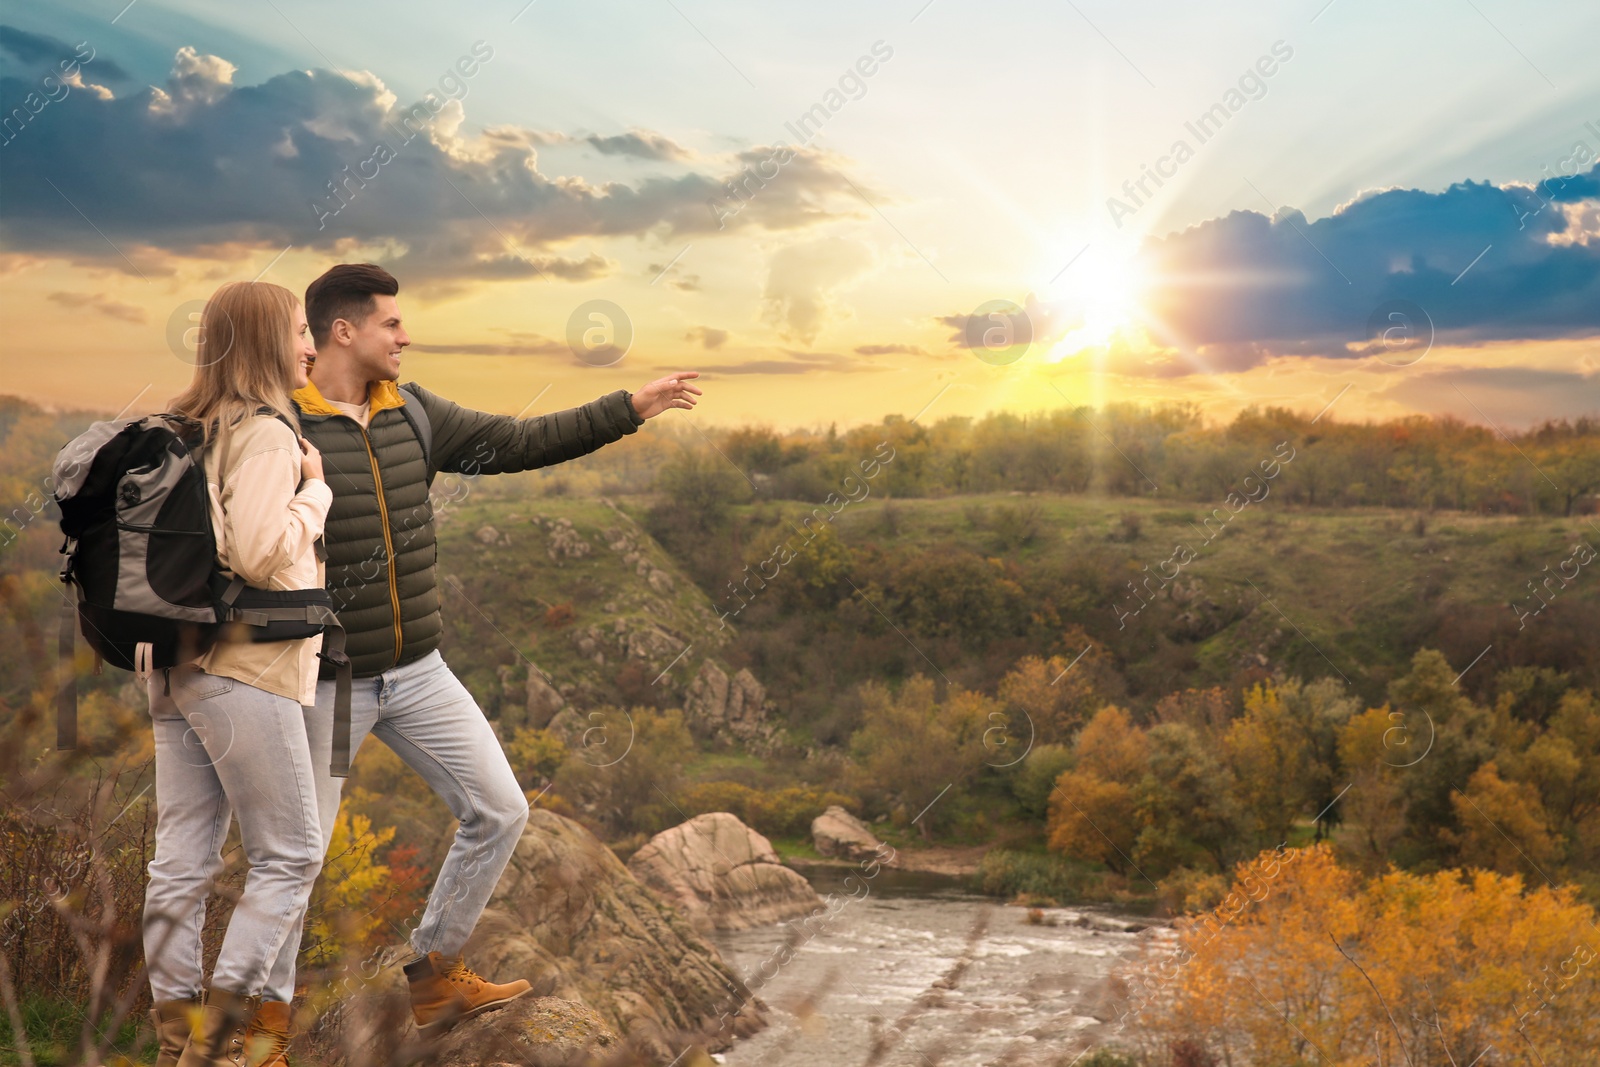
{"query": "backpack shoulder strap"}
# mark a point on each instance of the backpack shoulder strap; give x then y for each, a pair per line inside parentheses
(417, 416)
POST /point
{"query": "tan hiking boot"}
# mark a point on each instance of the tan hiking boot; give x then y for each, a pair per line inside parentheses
(266, 1037)
(174, 1021)
(445, 991)
(219, 1040)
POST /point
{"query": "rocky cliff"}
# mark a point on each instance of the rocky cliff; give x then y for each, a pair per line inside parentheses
(722, 875)
(619, 974)
(570, 918)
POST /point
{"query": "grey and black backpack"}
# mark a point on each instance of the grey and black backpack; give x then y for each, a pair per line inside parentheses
(141, 554)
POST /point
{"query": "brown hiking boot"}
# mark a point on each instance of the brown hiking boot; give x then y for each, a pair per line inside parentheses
(219, 1039)
(174, 1021)
(266, 1037)
(445, 991)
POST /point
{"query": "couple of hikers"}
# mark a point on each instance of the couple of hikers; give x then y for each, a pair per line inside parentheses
(246, 729)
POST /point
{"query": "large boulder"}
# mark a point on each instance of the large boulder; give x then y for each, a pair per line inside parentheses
(838, 833)
(610, 964)
(543, 701)
(570, 918)
(722, 875)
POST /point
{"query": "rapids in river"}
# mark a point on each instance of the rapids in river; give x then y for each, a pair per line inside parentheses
(915, 970)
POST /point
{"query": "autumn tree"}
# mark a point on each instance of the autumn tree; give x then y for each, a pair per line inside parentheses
(1308, 962)
(1186, 805)
(1374, 800)
(1504, 827)
(1269, 754)
(1093, 809)
(911, 747)
(1059, 694)
(1442, 738)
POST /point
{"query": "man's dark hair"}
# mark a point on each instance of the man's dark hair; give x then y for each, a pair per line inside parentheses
(345, 292)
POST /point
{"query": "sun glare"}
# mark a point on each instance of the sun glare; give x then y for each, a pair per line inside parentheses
(1100, 301)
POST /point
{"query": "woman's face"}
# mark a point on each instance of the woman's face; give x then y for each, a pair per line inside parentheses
(305, 351)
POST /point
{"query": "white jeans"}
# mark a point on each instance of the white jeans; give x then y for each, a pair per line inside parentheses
(224, 748)
(429, 719)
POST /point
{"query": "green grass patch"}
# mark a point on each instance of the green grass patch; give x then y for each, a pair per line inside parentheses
(54, 1033)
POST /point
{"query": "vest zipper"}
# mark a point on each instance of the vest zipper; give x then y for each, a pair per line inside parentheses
(388, 542)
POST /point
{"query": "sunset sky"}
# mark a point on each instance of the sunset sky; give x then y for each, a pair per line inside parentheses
(1226, 203)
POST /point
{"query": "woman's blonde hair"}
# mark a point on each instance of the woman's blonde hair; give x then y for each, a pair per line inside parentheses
(245, 358)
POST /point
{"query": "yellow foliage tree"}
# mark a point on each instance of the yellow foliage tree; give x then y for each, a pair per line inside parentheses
(1310, 963)
(1094, 807)
(1112, 747)
(1267, 751)
(1504, 825)
(345, 912)
(1093, 819)
(1059, 694)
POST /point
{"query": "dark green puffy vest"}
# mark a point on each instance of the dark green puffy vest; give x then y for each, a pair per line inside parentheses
(379, 533)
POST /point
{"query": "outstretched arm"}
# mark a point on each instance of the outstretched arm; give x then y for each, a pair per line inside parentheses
(476, 442)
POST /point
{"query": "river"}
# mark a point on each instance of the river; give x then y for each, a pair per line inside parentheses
(919, 972)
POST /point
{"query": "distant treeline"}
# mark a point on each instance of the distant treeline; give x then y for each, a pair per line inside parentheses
(1162, 452)
(1415, 462)
(1165, 452)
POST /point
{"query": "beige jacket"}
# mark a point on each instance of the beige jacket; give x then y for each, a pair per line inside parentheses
(265, 535)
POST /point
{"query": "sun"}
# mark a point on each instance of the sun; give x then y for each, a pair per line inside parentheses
(1101, 301)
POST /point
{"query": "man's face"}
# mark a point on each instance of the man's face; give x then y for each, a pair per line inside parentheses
(376, 343)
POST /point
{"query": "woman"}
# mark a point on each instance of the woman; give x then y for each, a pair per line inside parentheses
(230, 735)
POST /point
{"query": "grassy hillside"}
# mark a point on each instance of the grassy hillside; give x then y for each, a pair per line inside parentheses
(1351, 593)
(574, 586)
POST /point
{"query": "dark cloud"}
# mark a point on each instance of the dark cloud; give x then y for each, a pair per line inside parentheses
(1248, 287)
(42, 53)
(315, 159)
(642, 144)
(1044, 322)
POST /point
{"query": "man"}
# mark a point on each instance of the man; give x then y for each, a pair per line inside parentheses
(381, 575)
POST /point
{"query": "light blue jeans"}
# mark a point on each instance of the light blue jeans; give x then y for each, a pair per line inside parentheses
(224, 748)
(429, 719)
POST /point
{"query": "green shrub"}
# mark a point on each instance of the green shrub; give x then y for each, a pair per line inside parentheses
(1038, 876)
(1017, 527)
(1036, 776)
(785, 812)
